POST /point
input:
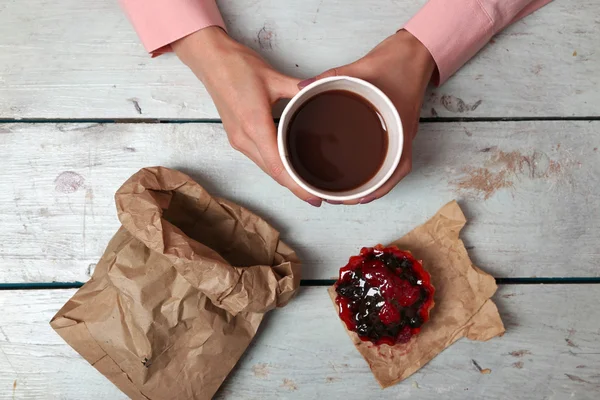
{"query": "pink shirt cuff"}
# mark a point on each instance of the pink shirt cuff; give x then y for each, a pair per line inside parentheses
(159, 23)
(455, 30)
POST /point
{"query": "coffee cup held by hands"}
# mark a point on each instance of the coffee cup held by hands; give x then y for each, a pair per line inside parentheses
(340, 138)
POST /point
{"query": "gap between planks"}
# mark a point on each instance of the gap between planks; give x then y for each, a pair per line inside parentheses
(276, 120)
(322, 282)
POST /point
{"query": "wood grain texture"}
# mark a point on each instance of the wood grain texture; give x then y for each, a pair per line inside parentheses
(550, 351)
(529, 189)
(73, 59)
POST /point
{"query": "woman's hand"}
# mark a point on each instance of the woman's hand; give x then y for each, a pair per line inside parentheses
(401, 67)
(244, 88)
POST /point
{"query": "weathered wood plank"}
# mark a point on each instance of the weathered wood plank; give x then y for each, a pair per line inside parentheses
(551, 350)
(529, 189)
(71, 59)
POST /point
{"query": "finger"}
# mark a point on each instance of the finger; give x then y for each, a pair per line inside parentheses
(275, 168)
(266, 143)
(283, 86)
(247, 147)
(244, 145)
(357, 69)
(332, 72)
(403, 169)
(352, 202)
(253, 154)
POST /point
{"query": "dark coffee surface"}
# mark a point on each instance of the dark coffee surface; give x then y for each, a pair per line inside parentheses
(337, 141)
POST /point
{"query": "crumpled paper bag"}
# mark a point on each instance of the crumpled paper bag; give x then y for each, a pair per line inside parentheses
(180, 290)
(462, 300)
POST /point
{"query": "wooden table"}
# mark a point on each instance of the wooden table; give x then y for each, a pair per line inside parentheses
(514, 136)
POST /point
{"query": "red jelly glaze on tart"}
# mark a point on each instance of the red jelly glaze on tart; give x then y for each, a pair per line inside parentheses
(384, 295)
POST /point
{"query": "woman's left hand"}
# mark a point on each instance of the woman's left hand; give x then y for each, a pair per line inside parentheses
(401, 67)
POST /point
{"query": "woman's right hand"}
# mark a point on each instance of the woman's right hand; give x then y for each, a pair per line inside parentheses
(244, 88)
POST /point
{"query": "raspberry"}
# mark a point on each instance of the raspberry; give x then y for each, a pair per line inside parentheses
(405, 335)
(388, 314)
(408, 295)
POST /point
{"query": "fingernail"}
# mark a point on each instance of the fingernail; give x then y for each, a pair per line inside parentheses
(333, 202)
(315, 202)
(367, 200)
(306, 82)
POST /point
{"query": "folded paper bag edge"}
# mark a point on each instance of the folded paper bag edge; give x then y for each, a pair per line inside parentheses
(138, 189)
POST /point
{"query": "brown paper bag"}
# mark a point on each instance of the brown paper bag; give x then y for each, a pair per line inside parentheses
(180, 290)
(462, 300)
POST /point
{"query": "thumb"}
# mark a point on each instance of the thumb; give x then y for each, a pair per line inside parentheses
(283, 86)
(326, 74)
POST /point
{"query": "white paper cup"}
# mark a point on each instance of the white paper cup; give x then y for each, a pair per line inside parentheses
(382, 104)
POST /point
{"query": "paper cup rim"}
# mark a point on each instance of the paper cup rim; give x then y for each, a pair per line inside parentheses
(315, 191)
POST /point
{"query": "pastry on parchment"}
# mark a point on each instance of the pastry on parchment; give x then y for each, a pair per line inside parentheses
(463, 305)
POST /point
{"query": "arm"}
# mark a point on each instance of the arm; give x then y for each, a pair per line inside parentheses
(455, 30)
(159, 23)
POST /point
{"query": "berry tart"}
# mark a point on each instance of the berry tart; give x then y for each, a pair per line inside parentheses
(384, 295)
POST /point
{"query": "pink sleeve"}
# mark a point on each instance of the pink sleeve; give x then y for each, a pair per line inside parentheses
(159, 23)
(455, 30)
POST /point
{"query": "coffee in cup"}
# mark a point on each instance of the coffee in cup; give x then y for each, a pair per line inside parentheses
(337, 141)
